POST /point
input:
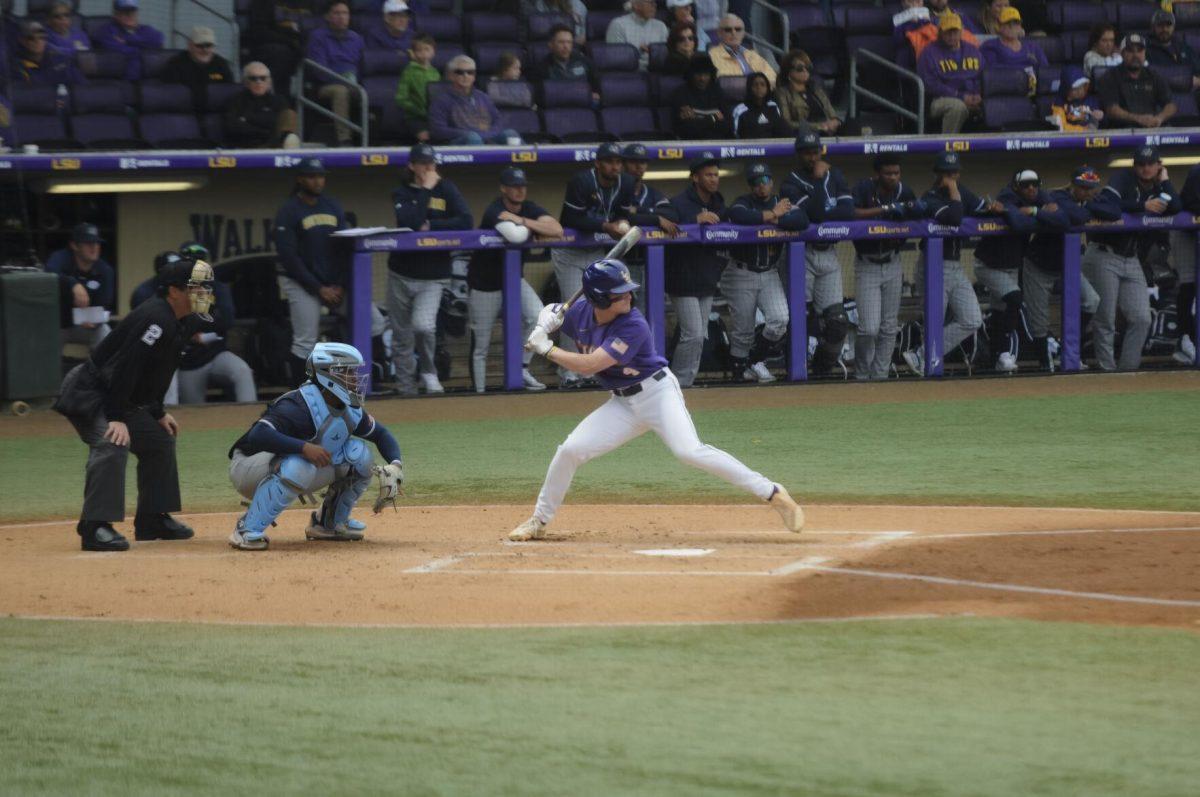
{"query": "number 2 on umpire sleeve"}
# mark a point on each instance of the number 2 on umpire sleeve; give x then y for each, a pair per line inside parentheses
(152, 334)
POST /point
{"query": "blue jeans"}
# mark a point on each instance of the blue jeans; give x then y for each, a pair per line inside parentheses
(475, 139)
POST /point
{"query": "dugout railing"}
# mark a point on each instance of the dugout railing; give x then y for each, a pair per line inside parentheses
(367, 244)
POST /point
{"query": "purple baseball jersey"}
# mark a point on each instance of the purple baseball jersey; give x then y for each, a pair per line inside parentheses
(626, 338)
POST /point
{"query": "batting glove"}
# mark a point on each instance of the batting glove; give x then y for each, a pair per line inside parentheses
(550, 318)
(539, 342)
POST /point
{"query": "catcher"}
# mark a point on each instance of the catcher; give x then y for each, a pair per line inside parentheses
(307, 439)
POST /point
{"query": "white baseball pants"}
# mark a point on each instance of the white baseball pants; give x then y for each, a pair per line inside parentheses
(659, 408)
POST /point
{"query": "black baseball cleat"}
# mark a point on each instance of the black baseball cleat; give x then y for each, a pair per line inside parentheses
(160, 527)
(100, 536)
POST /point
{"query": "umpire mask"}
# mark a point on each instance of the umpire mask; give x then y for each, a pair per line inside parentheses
(200, 290)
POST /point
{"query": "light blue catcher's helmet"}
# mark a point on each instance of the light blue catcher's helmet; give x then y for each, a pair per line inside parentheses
(337, 367)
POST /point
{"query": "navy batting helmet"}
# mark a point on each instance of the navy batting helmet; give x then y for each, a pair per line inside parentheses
(604, 279)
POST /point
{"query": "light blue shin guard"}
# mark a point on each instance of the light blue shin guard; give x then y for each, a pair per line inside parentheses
(345, 492)
(276, 492)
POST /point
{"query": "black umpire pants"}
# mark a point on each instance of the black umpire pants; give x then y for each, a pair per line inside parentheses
(157, 471)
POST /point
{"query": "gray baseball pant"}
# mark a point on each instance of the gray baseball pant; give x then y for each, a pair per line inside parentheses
(1121, 284)
(569, 265)
(691, 313)
(483, 308)
(412, 308)
(877, 294)
(224, 370)
(1000, 282)
(1038, 285)
(1183, 252)
(304, 309)
(746, 291)
(104, 485)
(824, 284)
(958, 295)
(247, 472)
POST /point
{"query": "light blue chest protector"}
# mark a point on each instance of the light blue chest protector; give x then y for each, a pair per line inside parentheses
(334, 431)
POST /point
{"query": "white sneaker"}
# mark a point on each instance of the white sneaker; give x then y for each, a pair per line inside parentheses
(239, 539)
(431, 384)
(343, 531)
(1185, 351)
(788, 509)
(532, 529)
(1006, 363)
(530, 380)
(915, 360)
(761, 372)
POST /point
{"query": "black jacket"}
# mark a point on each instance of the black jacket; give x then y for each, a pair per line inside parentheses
(827, 199)
(760, 121)
(705, 102)
(138, 358)
(444, 207)
(1124, 194)
(250, 121)
(588, 205)
(302, 243)
(866, 195)
(1008, 251)
(943, 210)
(747, 210)
(197, 77)
(1045, 249)
(694, 270)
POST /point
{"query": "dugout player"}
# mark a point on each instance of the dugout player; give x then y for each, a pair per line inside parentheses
(752, 282)
(597, 201)
(309, 439)
(312, 274)
(424, 200)
(878, 276)
(651, 207)
(1183, 248)
(114, 401)
(616, 346)
(946, 202)
(1072, 206)
(1111, 259)
(821, 191)
(515, 217)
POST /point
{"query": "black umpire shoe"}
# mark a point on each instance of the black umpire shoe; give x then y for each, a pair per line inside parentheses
(100, 536)
(160, 527)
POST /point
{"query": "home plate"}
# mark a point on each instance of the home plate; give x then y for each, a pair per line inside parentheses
(677, 552)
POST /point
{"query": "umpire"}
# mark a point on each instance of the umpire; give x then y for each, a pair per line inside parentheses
(114, 401)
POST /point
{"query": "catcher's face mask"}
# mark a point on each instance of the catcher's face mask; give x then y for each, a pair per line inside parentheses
(200, 291)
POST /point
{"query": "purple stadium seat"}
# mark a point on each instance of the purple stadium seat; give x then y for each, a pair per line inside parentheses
(33, 99)
(212, 126)
(1048, 80)
(1055, 48)
(1187, 15)
(389, 126)
(381, 90)
(1043, 103)
(1178, 76)
(1185, 101)
(1193, 39)
(537, 52)
(219, 95)
(662, 115)
(629, 123)
(172, 131)
(363, 21)
(664, 87)
(97, 98)
(566, 94)
(857, 20)
(803, 17)
(597, 23)
(613, 57)
(539, 25)
(658, 56)
(158, 96)
(446, 6)
(444, 53)
(883, 46)
(572, 124)
(1005, 83)
(364, 7)
(1077, 14)
(524, 121)
(487, 55)
(153, 61)
(106, 131)
(310, 23)
(1134, 17)
(45, 130)
(1010, 113)
(468, 6)
(101, 65)
(432, 90)
(93, 25)
(488, 27)
(621, 88)
(384, 62)
(442, 27)
(511, 93)
(733, 87)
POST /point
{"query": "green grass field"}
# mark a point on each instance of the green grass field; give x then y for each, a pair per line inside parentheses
(956, 706)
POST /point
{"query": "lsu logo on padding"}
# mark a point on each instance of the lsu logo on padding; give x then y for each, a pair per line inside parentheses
(66, 164)
(670, 153)
(958, 146)
(1097, 142)
(525, 156)
(222, 162)
(375, 159)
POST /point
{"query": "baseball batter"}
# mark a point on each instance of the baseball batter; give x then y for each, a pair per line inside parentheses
(615, 345)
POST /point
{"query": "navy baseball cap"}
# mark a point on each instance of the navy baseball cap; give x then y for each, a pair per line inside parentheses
(1086, 177)
(1134, 41)
(947, 162)
(86, 234)
(1146, 154)
(163, 259)
(705, 158)
(756, 172)
(608, 150)
(422, 153)
(635, 152)
(177, 272)
(513, 176)
(808, 139)
(311, 166)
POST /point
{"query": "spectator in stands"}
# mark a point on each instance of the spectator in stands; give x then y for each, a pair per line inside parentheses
(424, 201)
(1077, 109)
(681, 46)
(564, 62)
(699, 110)
(463, 115)
(939, 8)
(275, 36)
(757, 116)
(35, 64)
(257, 116)
(411, 92)
(989, 16)
(1010, 50)
(81, 262)
(1164, 48)
(508, 67)
(639, 28)
(731, 58)
(1102, 48)
(60, 36)
(683, 12)
(575, 9)
(951, 71)
(199, 66)
(802, 100)
(340, 50)
(515, 217)
(1133, 95)
(395, 34)
(124, 34)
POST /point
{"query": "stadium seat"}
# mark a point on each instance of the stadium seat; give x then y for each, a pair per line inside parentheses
(1057, 51)
(1077, 15)
(108, 68)
(487, 55)
(613, 57)
(212, 127)
(597, 24)
(620, 88)
(489, 27)
(1010, 113)
(173, 131)
(524, 120)
(100, 120)
(511, 93)
(1005, 83)
(664, 86)
(363, 7)
(153, 62)
(384, 62)
(536, 52)
(629, 123)
(566, 94)
(97, 98)
(1048, 79)
(538, 25)
(859, 20)
(1178, 76)
(1186, 113)
(442, 27)
(733, 87)
(1187, 15)
(156, 96)
(444, 53)
(93, 25)
(572, 124)
(1134, 17)
(36, 118)
(363, 21)
(658, 56)
(219, 95)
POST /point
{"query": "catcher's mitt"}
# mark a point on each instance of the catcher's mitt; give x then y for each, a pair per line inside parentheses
(390, 478)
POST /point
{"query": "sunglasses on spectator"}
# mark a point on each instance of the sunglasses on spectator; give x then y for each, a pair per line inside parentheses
(464, 71)
(258, 78)
(733, 30)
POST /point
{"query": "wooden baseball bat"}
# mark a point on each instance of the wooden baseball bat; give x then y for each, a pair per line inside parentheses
(627, 242)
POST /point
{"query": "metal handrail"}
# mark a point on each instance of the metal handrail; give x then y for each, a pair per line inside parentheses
(783, 21)
(302, 102)
(230, 22)
(901, 72)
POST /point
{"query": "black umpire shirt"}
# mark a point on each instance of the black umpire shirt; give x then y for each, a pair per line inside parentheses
(485, 272)
(138, 358)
